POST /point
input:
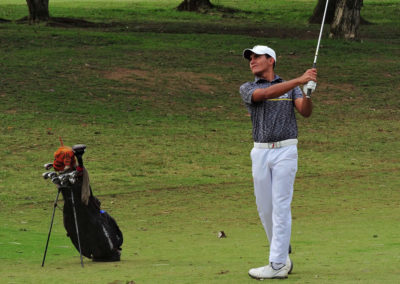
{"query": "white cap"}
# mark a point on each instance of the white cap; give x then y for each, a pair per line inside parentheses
(259, 49)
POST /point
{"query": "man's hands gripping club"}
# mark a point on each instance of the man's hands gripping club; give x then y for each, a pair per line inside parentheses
(311, 85)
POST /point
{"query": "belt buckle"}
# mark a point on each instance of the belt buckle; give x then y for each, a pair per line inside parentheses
(276, 144)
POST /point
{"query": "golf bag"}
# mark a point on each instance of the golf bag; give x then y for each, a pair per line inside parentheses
(94, 233)
(99, 235)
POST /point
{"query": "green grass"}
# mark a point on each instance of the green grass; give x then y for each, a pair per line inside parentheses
(169, 140)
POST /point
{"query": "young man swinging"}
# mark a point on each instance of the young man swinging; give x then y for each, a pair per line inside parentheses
(271, 102)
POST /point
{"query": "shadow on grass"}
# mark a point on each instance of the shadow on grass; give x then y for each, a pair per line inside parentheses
(255, 30)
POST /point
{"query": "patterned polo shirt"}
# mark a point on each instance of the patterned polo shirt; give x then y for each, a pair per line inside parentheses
(273, 119)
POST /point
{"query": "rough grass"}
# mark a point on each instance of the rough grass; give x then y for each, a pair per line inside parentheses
(169, 139)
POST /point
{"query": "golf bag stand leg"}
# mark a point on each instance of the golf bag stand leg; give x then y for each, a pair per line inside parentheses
(51, 226)
(76, 225)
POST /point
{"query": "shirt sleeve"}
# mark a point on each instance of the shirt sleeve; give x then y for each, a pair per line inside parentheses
(246, 91)
(297, 93)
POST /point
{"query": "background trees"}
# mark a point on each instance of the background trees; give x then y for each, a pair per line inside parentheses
(194, 5)
(38, 10)
(346, 21)
(343, 16)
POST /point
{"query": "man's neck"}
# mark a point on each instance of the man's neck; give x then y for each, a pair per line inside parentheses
(268, 75)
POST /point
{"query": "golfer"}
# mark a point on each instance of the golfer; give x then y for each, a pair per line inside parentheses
(271, 102)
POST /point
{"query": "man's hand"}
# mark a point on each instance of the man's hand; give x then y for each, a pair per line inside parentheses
(309, 75)
(309, 78)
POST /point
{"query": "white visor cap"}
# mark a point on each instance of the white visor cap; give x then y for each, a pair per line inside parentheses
(260, 50)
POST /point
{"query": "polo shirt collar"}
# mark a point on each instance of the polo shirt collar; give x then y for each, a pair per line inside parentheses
(260, 80)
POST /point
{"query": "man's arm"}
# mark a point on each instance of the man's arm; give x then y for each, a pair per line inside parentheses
(304, 106)
(279, 89)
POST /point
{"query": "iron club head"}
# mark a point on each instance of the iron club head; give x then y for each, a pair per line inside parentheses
(48, 175)
(48, 166)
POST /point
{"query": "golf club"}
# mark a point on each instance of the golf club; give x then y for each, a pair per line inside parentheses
(63, 179)
(48, 175)
(55, 180)
(312, 83)
(51, 226)
(48, 166)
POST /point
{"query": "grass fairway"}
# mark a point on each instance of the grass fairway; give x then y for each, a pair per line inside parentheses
(153, 93)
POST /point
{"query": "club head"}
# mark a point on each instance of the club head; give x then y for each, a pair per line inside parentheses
(56, 180)
(48, 166)
(75, 174)
(63, 177)
(79, 149)
(48, 175)
(72, 180)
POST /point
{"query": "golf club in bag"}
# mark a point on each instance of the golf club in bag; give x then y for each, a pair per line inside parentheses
(311, 85)
(94, 233)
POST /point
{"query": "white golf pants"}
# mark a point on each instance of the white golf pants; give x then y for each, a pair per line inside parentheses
(274, 172)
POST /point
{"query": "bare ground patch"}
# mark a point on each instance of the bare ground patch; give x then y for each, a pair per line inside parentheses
(169, 80)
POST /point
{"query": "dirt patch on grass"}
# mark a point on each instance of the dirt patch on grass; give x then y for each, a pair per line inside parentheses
(167, 89)
(125, 74)
(166, 79)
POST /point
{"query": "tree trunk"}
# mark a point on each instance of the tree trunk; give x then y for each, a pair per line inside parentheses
(346, 22)
(194, 5)
(318, 13)
(38, 10)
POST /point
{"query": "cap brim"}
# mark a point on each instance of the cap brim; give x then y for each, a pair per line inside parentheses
(247, 53)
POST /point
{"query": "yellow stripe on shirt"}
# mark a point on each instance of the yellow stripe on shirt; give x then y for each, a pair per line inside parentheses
(280, 99)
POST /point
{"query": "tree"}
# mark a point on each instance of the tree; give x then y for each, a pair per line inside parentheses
(346, 21)
(316, 17)
(194, 5)
(343, 15)
(38, 10)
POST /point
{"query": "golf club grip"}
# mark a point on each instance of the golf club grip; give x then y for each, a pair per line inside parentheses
(309, 90)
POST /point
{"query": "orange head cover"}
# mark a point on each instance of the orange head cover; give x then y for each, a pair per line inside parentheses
(64, 158)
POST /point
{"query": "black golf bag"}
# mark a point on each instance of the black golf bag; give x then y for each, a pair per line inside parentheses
(99, 235)
(94, 233)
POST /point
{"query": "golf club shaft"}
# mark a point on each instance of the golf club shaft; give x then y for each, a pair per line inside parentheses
(320, 35)
(319, 41)
(51, 226)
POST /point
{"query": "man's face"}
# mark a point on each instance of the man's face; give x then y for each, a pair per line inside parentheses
(259, 64)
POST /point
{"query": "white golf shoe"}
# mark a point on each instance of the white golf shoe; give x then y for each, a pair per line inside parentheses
(267, 272)
(289, 265)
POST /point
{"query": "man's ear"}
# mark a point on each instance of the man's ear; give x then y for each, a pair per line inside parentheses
(273, 61)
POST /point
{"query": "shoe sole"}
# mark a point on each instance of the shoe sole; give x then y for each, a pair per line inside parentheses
(276, 277)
